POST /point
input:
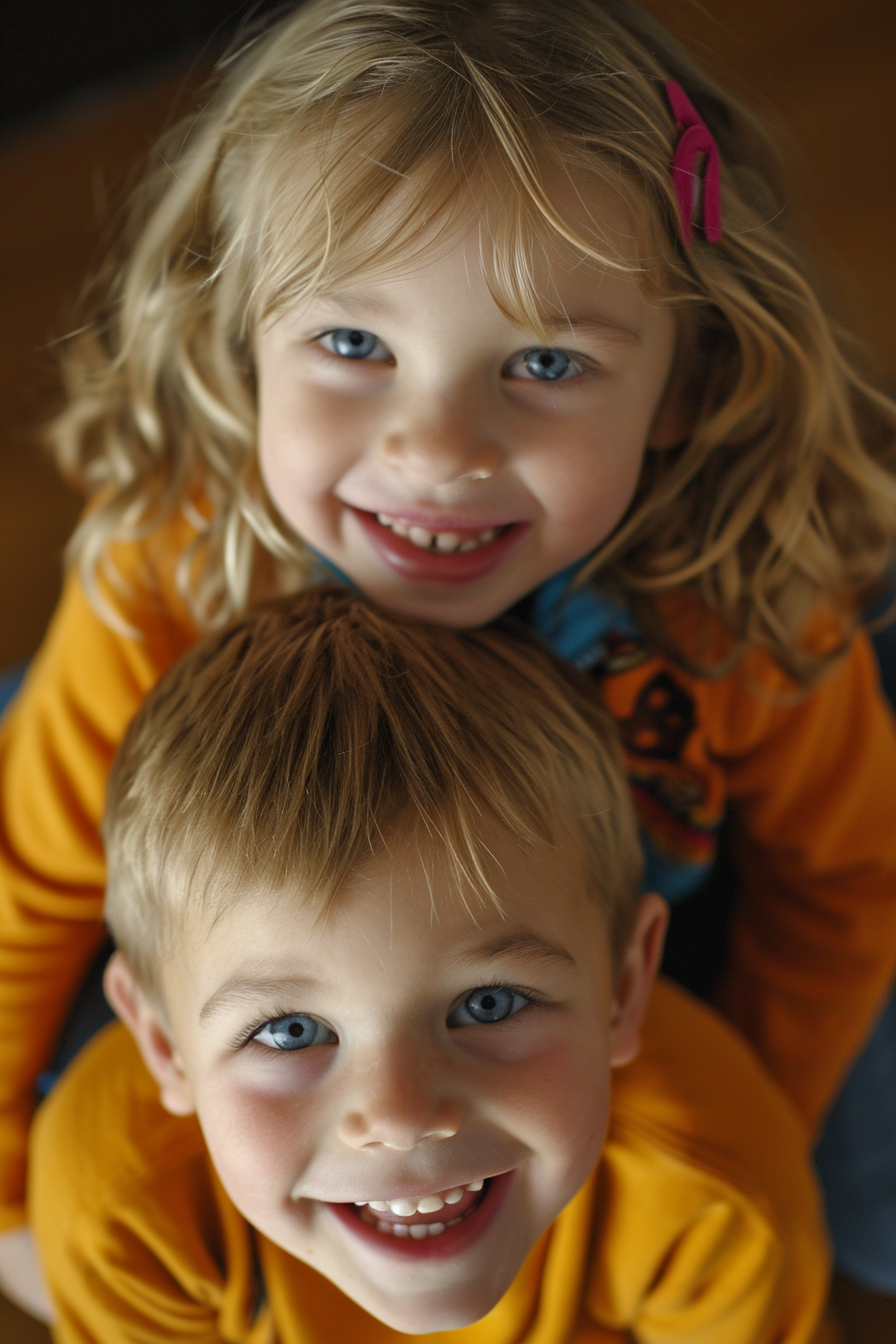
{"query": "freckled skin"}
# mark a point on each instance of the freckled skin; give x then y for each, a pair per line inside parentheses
(445, 423)
(404, 1090)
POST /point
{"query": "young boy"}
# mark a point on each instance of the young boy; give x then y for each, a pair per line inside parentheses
(373, 886)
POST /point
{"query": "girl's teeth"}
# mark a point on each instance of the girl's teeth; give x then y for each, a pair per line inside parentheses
(446, 542)
(421, 537)
(403, 1207)
(430, 1204)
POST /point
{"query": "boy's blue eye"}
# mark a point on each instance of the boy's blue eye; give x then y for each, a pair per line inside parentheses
(294, 1032)
(547, 364)
(351, 343)
(492, 1003)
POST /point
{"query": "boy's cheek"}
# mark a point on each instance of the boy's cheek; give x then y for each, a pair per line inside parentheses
(256, 1137)
(553, 1084)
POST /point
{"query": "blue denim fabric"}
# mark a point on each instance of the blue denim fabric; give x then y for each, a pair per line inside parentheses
(856, 1154)
(10, 682)
(856, 1163)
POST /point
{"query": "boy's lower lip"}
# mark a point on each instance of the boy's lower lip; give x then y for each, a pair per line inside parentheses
(421, 566)
(450, 1242)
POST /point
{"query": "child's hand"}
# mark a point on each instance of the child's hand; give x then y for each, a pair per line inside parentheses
(20, 1276)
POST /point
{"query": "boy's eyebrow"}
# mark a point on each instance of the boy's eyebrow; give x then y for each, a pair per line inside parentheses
(524, 944)
(246, 988)
(351, 303)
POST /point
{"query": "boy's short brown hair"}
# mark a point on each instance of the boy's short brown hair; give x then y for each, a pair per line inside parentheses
(281, 754)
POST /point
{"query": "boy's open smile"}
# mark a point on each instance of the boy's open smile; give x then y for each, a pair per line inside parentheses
(405, 1083)
(441, 1223)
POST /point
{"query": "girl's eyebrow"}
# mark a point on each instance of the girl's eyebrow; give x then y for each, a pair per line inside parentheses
(599, 325)
(594, 324)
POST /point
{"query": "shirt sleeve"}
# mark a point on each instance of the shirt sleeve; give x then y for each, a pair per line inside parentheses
(56, 746)
(812, 781)
(726, 1278)
(709, 1218)
(137, 1239)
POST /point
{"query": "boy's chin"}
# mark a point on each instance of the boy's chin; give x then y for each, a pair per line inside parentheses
(450, 1308)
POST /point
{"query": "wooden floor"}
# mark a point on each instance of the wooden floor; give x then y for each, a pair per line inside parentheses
(822, 70)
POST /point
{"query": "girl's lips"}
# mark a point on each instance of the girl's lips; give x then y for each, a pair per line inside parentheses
(431, 566)
(450, 1242)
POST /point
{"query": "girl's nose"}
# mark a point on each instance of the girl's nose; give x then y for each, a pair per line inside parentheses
(394, 1107)
(439, 447)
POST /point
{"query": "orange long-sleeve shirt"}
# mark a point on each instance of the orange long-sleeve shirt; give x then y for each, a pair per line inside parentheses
(701, 1222)
(812, 782)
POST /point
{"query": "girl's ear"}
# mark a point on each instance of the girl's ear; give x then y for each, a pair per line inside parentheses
(635, 977)
(160, 1056)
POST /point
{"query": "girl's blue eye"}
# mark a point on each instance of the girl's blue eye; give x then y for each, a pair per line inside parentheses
(547, 364)
(353, 344)
(294, 1033)
(492, 1003)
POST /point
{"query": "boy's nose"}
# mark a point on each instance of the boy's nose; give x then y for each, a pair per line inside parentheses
(439, 448)
(394, 1109)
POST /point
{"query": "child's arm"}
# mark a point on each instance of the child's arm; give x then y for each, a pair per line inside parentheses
(56, 746)
(711, 1229)
(813, 784)
(137, 1239)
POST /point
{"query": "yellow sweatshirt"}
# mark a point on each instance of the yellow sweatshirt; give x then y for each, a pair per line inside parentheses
(811, 781)
(699, 1224)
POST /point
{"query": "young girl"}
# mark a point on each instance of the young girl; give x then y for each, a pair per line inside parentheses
(487, 303)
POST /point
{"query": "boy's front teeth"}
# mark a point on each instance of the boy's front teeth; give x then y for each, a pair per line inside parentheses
(406, 1208)
(446, 542)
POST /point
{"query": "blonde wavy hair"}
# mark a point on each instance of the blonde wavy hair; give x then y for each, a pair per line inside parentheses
(782, 499)
(281, 755)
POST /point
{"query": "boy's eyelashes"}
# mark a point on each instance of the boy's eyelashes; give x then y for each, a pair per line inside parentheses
(487, 1005)
(355, 344)
(538, 363)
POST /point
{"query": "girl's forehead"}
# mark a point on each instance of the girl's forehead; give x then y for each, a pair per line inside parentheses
(527, 247)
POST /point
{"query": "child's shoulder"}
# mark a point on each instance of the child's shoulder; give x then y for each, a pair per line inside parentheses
(697, 1097)
(707, 1213)
(129, 1216)
(102, 1134)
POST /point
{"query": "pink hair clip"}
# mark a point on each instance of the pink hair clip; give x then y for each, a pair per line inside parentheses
(690, 185)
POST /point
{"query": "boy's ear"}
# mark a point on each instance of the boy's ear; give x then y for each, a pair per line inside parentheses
(160, 1056)
(635, 977)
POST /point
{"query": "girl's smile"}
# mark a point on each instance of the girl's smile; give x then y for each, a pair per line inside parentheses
(444, 552)
(444, 459)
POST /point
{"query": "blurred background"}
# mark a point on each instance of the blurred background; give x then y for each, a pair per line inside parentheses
(86, 86)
